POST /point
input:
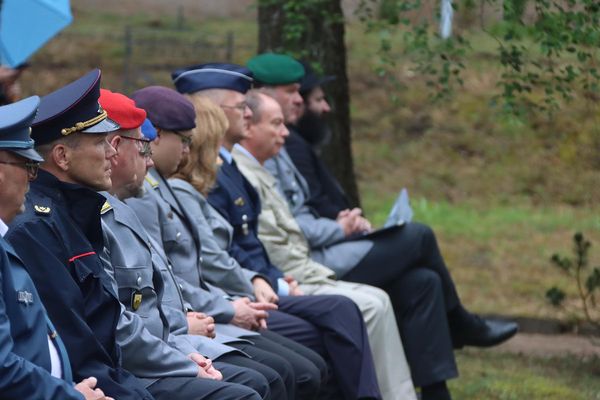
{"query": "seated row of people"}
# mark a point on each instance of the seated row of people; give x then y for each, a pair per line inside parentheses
(173, 245)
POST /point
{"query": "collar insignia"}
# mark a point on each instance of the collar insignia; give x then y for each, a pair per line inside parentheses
(41, 210)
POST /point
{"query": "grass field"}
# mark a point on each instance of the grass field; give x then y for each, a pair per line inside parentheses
(490, 375)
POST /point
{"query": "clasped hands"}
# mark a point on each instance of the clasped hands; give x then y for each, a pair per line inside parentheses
(353, 222)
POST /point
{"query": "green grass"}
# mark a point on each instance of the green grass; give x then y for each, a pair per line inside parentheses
(499, 255)
(490, 375)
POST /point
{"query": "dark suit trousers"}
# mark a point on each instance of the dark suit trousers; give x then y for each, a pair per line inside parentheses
(407, 263)
(179, 388)
(342, 338)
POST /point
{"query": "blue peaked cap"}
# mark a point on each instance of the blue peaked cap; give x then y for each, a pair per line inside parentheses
(15, 127)
(72, 109)
(212, 76)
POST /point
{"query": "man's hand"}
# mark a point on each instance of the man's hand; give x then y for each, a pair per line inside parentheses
(200, 324)
(263, 291)
(250, 315)
(294, 286)
(86, 388)
(206, 368)
(352, 221)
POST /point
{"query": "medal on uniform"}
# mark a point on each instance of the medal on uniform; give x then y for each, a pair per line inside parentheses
(136, 300)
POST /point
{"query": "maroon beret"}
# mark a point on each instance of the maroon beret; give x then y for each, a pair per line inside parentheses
(166, 108)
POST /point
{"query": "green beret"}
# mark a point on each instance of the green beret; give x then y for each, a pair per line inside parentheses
(275, 69)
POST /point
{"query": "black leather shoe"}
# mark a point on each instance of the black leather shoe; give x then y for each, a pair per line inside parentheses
(481, 332)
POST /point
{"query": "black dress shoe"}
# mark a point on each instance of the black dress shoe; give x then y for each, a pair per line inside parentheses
(480, 332)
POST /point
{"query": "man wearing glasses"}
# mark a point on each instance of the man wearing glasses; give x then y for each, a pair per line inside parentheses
(34, 361)
(59, 235)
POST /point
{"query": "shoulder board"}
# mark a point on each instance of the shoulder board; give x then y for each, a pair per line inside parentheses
(153, 182)
(41, 210)
(105, 207)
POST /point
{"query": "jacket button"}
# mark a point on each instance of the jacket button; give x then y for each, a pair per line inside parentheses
(201, 260)
(169, 266)
(180, 287)
(139, 280)
(177, 235)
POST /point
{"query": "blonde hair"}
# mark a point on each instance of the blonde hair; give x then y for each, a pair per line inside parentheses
(199, 168)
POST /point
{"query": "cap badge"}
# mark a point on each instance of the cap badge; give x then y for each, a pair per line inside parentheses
(239, 202)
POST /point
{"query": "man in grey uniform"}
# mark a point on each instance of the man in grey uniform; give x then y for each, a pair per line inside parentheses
(155, 316)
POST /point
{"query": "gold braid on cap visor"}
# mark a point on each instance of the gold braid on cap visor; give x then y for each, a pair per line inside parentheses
(79, 126)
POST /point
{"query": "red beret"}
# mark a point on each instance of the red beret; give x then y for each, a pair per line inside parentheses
(121, 109)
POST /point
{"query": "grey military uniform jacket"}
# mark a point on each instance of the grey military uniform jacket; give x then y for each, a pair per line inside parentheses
(165, 222)
(218, 267)
(146, 285)
(325, 236)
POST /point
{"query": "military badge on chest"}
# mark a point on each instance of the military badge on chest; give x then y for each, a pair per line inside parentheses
(136, 300)
(25, 297)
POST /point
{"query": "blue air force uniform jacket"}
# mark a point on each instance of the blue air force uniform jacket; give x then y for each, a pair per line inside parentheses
(238, 202)
(24, 330)
(59, 237)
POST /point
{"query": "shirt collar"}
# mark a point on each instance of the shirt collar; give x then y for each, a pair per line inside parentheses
(243, 150)
(3, 228)
(226, 155)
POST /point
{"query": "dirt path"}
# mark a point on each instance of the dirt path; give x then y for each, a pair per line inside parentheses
(551, 345)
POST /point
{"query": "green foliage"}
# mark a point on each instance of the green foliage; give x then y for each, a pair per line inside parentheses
(555, 56)
(575, 267)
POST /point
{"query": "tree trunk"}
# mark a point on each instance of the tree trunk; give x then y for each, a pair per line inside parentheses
(313, 30)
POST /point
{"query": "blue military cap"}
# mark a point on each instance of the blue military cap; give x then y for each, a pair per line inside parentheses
(212, 76)
(15, 128)
(71, 109)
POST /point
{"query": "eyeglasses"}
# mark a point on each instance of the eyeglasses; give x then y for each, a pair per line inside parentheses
(146, 149)
(32, 167)
(186, 140)
(240, 106)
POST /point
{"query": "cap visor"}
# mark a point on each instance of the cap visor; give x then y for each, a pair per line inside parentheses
(105, 126)
(30, 154)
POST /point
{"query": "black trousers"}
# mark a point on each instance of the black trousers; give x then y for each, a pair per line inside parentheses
(407, 263)
(262, 363)
(178, 388)
(341, 339)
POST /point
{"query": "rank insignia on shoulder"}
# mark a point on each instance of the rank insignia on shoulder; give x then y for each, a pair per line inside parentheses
(239, 202)
(136, 300)
(153, 182)
(105, 207)
(41, 210)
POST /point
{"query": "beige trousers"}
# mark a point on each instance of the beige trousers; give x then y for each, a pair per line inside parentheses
(391, 367)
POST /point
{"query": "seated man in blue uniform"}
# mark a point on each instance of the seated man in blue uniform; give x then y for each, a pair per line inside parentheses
(59, 234)
(33, 360)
